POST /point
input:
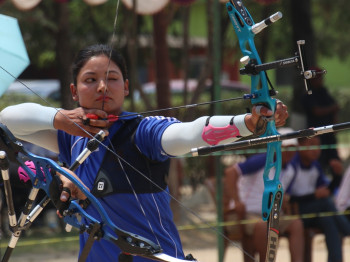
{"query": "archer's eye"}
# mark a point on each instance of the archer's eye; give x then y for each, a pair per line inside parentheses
(113, 79)
(113, 76)
(90, 80)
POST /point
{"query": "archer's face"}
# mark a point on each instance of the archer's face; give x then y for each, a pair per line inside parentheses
(310, 154)
(94, 89)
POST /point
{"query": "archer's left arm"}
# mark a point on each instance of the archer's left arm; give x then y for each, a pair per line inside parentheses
(180, 138)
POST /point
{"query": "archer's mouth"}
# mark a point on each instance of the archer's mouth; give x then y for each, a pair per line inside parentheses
(103, 98)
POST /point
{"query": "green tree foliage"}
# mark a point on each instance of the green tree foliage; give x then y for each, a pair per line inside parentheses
(331, 20)
(88, 24)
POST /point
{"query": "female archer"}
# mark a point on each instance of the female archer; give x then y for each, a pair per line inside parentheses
(127, 172)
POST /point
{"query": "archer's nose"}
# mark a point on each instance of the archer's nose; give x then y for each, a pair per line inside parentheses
(102, 86)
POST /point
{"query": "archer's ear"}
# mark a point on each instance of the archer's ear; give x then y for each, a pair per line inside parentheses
(74, 92)
(126, 87)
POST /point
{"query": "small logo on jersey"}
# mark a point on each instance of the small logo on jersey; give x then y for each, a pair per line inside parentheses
(101, 186)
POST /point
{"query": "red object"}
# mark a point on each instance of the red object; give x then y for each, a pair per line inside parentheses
(110, 118)
(92, 116)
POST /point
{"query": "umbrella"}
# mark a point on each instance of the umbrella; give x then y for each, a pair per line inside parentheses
(13, 54)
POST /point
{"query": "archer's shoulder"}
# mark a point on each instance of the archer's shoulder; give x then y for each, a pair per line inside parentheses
(161, 119)
(155, 125)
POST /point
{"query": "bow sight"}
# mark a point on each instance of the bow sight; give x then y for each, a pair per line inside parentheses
(252, 68)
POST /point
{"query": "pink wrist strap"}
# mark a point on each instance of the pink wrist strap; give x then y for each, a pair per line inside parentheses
(213, 135)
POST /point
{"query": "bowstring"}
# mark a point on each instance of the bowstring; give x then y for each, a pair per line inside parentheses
(112, 42)
(110, 53)
(119, 159)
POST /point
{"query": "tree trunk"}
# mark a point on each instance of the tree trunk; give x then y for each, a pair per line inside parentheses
(207, 68)
(63, 54)
(186, 50)
(302, 30)
(161, 53)
(132, 49)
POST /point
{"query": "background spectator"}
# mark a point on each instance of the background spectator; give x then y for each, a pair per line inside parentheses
(309, 189)
(342, 199)
(244, 186)
(322, 109)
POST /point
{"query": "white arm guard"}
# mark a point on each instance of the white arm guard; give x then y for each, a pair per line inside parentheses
(180, 138)
(33, 123)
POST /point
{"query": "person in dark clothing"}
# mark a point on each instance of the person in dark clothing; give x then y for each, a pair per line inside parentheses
(321, 109)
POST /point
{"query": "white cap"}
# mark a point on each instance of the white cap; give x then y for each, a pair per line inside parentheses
(288, 142)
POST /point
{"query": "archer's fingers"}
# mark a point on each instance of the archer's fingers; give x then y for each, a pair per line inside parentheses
(72, 189)
(261, 110)
(76, 122)
(281, 114)
(65, 194)
(88, 130)
(78, 194)
(95, 122)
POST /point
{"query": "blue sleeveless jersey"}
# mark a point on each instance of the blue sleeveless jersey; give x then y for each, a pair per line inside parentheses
(123, 208)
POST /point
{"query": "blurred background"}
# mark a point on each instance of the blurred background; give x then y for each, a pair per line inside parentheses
(183, 52)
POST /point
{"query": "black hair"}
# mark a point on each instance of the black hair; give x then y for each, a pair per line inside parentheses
(95, 50)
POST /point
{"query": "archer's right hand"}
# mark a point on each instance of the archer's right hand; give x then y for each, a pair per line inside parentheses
(75, 122)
